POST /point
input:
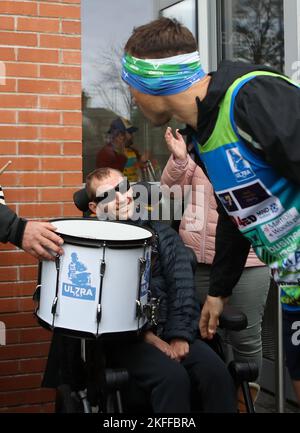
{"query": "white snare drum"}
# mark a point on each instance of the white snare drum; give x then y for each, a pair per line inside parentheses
(100, 285)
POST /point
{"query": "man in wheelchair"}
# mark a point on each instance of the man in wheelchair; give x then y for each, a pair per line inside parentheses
(167, 361)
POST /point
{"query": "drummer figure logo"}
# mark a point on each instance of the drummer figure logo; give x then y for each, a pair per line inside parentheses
(80, 286)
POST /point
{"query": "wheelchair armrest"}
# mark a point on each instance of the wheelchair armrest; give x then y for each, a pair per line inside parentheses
(232, 319)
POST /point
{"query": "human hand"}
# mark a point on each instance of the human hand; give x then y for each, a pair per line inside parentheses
(176, 145)
(209, 319)
(39, 237)
(160, 344)
(180, 347)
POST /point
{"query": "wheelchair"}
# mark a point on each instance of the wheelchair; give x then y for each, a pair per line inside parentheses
(111, 390)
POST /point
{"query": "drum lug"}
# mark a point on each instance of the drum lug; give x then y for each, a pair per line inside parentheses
(139, 310)
(54, 306)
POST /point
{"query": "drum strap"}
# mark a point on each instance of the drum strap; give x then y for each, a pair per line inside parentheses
(54, 303)
(102, 272)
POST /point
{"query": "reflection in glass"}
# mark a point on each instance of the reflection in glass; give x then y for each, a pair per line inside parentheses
(184, 12)
(252, 31)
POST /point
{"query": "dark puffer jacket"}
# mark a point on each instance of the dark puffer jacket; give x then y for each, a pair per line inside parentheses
(173, 283)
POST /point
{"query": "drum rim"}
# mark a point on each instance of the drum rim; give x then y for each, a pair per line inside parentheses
(96, 243)
(72, 333)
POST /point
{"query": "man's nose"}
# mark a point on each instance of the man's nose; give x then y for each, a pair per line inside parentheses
(120, 197)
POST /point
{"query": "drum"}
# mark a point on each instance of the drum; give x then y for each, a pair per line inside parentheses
(100, 285)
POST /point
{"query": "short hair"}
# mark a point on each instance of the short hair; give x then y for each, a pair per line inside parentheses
(100, 174)
(161, 38)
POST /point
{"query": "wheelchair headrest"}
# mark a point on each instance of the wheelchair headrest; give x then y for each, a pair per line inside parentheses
(153, 196)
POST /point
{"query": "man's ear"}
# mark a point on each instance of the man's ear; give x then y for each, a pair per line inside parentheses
(92, 207)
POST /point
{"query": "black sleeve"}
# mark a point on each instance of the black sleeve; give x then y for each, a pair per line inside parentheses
(231, 252)
(11, 226)
(183, 310)
(268, 108)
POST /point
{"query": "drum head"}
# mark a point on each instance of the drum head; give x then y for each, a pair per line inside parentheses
(93, 230)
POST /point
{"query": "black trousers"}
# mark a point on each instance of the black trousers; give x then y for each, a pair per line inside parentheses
(202, 377)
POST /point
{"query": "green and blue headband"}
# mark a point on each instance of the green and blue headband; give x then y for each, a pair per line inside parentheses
(166, 76)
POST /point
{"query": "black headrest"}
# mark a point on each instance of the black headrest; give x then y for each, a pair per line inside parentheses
(154, 195)
(81, 200)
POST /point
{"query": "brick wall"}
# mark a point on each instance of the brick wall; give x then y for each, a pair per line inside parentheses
(40, 132)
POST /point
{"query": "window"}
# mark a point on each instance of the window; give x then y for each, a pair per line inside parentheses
(252, 31)
(106, 25)
(185, 12)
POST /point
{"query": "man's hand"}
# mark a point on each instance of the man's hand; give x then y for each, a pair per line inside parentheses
(210, 314)
(180, 347)
(176, 145)
(39, 237)
(160, 344)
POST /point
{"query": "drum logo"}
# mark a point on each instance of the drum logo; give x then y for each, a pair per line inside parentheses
(80, 286)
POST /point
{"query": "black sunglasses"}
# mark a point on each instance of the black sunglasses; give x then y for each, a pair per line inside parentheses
(110, 195)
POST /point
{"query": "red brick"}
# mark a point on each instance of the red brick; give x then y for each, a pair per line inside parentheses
(16, 258)
(32, 365)
(18, 7)
(71, 88)
(71, 57)
(65, 1)
(20, 351)
(8, 367)
(10, 179)
(8, 274)
(21, 195)
(8, 148)
(40, 209)
(57, 194)
(39, 148)
(32, 408)
(64, 72)
(37, 55)
(17, 289)
(20, 39)
(29, 335)
(16, 305)
(18, 132)
(21, 164)
(56, 41)
(61, 164)
(62, 133)
(39, 117)
(7, 23)
(29, 396)
(21, 70)
(7, 116)
(18, 101)
(28, 273)
(10, 85)
(60, 102)
(13, 383)
(7, 247)
(7, 53)
(72, 179)
(43, 25)
(23, 320)
(40, 179)
(70, 210)
(71, 27)
(49, 10)
(72, 118)
(72, 148)
(38, 86)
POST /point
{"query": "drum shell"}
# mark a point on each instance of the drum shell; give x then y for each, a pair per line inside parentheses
(77, 303)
